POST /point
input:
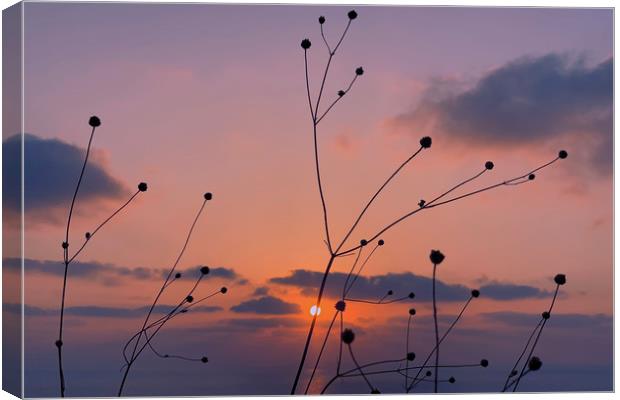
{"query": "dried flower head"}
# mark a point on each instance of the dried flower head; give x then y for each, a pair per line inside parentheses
(189, 298)
(142, 186)
(321, 20)
(411, 295)
(411, 356)
(87, 235)
(363, 242)
(177, 275)
(305, 44)
(341, 305)
(375, 391)
(390, 292)
(563, 154)
(531, 177)
(451, 380)
(204, 360)
(475, 293)
(560, 279)
(341, 93)
(428, 373)
(421, 203)
(359, 71)
(208, 196)
(484, 362)
(426, 142)
(381, 242)
(412, 311)
(204, 270)
(348, 336)
(489, 165)
(58, 343)
(546, 315)
(94, 121)
(352, 14)
(223, 290)
(436, 257)
(534, 364)
(65, 245)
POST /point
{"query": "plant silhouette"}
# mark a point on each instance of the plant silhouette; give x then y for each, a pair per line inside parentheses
(94, 123)
(338, 248)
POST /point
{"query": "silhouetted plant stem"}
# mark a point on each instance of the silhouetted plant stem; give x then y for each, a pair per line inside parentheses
(542, 327)
(312, 324)
(359, 368)
(161, 290)
(443, 337)
(318, 358)
(436, 377)
(59, 343)
(407, 352)
(527, 344)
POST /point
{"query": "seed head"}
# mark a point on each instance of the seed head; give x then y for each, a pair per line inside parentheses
(531, 177)
(208, 196)
(562, 154)
(142, 186)
(189, 298)
(412, 311)
(321, 20)
(305, 44)
(348, 336)
(475, 293)
(341, 93)
(177, 275)
(451, 380)
(546, 315)
(65, 245)
(87, 235)
(489, 165)
(94, 121)
(429, 373)
(390, 292)
(534, 364)
(352, 14)
(58, 343)
(381, 242)
(224, 290)
(411, 356)
(341, 305)
(204, 270)
(426, 142)
(204, 360)
(421, 203)
(363, 242)
(359, 71)
(484, 362)
(560, 279)
(436, 257)
(411, 295)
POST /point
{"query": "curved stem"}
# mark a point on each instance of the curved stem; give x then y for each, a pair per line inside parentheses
(436, 330)
(318, 358)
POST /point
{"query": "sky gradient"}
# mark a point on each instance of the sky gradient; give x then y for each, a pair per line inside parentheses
(197, 98)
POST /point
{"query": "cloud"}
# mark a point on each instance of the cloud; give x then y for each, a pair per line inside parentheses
(51, 170)
(261, 291)
(586, 321)
(110, 274)
(101, 312)
(375, 287)
(528, 100)
(267, 305)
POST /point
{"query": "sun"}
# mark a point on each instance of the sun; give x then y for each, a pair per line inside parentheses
(314, 310)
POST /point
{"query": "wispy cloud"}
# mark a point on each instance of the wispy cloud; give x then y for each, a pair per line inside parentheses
(101, 312)
(528, 100)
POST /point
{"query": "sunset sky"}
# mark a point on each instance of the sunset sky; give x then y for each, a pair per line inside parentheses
(211, 98)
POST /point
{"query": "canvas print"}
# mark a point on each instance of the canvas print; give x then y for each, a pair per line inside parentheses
(229, 199)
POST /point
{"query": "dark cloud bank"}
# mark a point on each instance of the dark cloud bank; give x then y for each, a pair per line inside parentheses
(267, 305)
(51, 170)
(375, 287)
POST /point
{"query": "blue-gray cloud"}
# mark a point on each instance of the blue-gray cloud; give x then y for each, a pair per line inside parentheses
(375, 287)
(51, 170)
(101, 312)
(267, 305)
(110, 274)
(525, 101)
